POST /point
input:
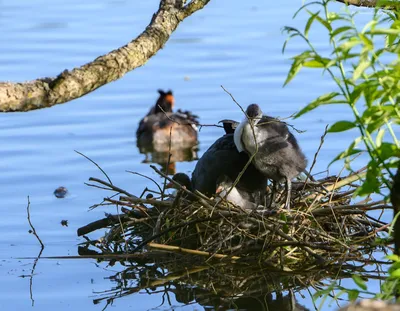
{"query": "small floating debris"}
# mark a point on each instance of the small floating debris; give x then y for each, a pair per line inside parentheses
(61, 192)
(64, 223)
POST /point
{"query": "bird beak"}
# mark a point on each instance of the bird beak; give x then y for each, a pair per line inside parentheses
(254, 121)
(219, 190)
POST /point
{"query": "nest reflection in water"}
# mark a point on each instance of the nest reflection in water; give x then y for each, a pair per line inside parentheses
(221, 285)
(218, 254)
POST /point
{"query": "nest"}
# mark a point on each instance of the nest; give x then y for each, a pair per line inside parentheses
(322, 228)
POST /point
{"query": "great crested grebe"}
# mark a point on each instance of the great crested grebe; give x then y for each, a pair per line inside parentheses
(161, 126)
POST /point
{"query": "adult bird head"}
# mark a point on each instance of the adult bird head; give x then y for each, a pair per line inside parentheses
(229, 125)
(165, 102)
(182, 179)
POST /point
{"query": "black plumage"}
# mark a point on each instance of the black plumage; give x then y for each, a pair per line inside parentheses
(229, 125)
(223, 158)
(182, 179)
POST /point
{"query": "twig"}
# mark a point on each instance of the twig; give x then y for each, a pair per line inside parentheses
(255, 141)
(190, 251)
(116, 202)
(153, 202)
(38, 256)
(149, 178)
(195, 194)
(30, 224)
(184, 224)
(316, 154)
(115, 188)
(208, 125)
(168, 162)
(189, 121)
(98, 166)
(102, 223)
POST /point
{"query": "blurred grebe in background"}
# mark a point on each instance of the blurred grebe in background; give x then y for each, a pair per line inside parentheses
(161, 126)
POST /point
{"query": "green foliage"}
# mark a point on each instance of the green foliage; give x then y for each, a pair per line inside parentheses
(391, 286)
(364, 63)
(336, 291)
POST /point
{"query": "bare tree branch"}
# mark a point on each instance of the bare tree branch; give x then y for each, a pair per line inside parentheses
(389, 5)
(69, 85)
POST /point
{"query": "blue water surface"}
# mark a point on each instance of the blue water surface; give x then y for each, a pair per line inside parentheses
(236, 44)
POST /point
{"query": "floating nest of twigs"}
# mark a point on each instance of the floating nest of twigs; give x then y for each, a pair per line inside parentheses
(322, 228)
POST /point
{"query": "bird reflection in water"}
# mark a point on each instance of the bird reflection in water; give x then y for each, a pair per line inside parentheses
(168, 163)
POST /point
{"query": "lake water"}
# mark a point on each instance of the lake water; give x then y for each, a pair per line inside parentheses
(236, 44)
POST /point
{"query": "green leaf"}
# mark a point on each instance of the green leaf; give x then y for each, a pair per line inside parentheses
(324, 22)
(348, 45)
(345, 154)
(367, 42)
(359, 281)
(393, 257)
(375, 124)
(340, 30)
(379, 137)
(370, 24)
(395, 265)
(294, 69)
(309, 23)
(395, 274)
(324, 291)
(390, 39)
(362, 66)
(341, 126)
(349, 151)
(304, 6)
(314, 63)
(298, 61)
(322, 100)
(387, 151)
(383, 31)
(355, 95)
(371, 183)
(353, 294)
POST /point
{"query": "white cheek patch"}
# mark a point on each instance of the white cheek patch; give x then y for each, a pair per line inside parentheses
(244, 136)
(237, 136)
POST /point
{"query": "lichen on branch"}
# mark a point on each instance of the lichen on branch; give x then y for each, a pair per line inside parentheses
(69, 85)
